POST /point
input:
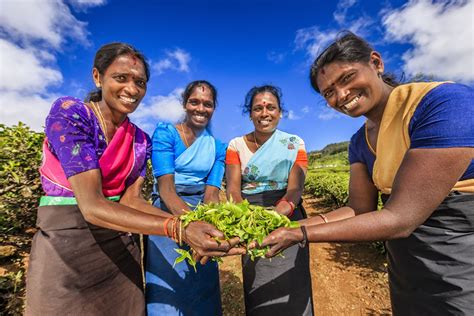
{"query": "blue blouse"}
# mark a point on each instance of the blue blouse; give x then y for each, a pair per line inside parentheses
(443, 119)
(167, 146)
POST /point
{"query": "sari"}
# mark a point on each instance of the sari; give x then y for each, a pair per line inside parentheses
(282, 285)
(179, 290)
(77, 268)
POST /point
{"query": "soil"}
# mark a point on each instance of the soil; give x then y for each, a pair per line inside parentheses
(347, 279)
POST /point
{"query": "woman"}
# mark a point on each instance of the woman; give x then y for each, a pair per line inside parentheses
(85, 259)
(188, 165)
(416, 148)
(267, 167)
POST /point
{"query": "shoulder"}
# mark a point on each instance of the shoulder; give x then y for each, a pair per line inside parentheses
(359, 135)
(165, 130)
(237, 143)
(69, 104)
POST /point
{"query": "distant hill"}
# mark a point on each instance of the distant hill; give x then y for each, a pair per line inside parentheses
(331, 155)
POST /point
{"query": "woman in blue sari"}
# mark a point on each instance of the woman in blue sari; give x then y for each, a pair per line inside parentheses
(188, 166)
(267, 167)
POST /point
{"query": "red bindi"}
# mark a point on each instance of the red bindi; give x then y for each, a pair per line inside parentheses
(134, 58)
(203, 88)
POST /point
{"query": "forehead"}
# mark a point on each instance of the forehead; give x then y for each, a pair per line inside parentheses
(201, 91)
(127, 64)
(329, 73)
(264, 97)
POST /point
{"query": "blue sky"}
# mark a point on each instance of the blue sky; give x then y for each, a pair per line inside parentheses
(47, 48)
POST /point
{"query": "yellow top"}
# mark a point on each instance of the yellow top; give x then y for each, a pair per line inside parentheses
(393, 139)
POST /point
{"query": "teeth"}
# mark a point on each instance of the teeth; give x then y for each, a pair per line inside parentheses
(349, 105)
(264, 122)
(128, 100)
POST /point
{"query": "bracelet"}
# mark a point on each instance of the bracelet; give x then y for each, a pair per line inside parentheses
(325, 219)
(303, 243)
(165, 226)
(292, 205)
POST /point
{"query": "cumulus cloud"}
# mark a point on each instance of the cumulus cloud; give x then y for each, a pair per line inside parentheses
(82, 4)
(293, 116)
(275, 57)
(327, 114)
(159, 108)
(31, 74)
(315, 39)
(31, 33)
(48, 21)
(442, 35)
(177, 60)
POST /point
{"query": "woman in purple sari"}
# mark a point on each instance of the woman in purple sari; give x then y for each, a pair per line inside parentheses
(85, 257)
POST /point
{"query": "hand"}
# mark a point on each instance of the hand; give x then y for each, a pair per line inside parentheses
(283, 208)
(201, 237)
(279, 240)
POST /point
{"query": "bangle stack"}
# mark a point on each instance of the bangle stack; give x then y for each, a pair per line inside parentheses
(175, 230)
(291, 204)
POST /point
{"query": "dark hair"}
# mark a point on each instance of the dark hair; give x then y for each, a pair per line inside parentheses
(247, 107)
(106, 55)
(198, 83)
(347, 47)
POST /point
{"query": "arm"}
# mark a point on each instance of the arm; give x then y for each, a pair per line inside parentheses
(363, 197)
(211, 194)
(99, 211)
(423, 180)
(233, 178)
(294, 189)
(169, 196)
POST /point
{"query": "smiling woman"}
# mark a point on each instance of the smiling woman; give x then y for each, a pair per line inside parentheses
(188, 164)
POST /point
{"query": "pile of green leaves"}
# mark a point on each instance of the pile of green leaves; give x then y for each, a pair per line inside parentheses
(243, 220)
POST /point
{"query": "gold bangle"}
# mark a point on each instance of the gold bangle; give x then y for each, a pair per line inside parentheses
(325, 219)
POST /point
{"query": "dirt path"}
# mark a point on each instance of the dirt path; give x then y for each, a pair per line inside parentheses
(348, 279)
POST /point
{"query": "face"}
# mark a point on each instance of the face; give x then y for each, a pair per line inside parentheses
(199, 107)
(265, 113)
(123, 84)
(353, 88)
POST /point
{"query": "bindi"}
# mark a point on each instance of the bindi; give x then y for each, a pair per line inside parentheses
(134, 60)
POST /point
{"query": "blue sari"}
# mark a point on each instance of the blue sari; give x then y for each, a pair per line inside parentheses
(180, 290)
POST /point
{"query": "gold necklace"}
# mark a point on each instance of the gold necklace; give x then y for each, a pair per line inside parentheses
(255, 140)
(100, 117)
(184, 135)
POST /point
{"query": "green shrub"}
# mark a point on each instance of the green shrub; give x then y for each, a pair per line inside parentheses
(328, 184)
(20, 159)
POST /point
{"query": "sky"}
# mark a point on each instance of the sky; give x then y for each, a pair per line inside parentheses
(47, 49)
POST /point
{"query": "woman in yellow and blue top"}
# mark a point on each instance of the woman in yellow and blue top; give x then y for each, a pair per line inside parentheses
(416, 148)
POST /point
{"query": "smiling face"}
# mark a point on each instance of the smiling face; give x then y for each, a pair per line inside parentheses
(265, 112)
(199, 107)
(353, 88)
(123, 84)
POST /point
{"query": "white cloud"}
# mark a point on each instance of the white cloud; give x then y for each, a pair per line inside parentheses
(293, 116)
(442, 35)
(306, 109)
(32, 32)
(86, 3)
(327, 114)
(176, 60)
(342, 7)
(48, 21)
(30, 109)
(276, 57)
(30, 74)
(159, 108)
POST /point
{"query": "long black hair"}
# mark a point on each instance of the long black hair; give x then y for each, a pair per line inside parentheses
(347, 47)
(106, 55)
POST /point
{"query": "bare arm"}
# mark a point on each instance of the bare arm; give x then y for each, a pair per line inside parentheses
(294, 189)
(363, 197)
(423, 180)
(169, 196)
(233, 177)
(211, 194)
(133, 198)
(99, 211)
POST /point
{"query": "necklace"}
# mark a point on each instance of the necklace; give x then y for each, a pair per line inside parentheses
(100, 117)
(255, 140)
(184, 135)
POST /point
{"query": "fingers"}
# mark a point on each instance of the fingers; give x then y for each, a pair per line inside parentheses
(204, 260)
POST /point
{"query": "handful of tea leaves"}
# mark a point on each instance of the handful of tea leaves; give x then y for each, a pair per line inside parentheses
(246, 221)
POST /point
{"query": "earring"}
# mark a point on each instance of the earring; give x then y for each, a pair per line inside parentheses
(281, 115)
(379, 74)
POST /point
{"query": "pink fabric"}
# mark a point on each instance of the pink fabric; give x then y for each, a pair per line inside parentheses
(115, 164)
